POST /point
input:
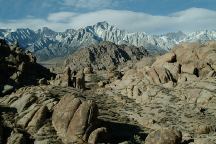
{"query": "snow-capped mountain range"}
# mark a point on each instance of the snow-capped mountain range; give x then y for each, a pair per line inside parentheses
(46, 43)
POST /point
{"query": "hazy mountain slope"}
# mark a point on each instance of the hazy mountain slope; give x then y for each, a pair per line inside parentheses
(104, 55)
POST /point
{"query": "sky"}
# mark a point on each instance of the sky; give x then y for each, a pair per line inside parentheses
(151, 16)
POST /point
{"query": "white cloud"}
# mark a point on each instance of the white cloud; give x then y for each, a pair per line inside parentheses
(90, 4)
(33, 23)
(188, 20)
(61, 16)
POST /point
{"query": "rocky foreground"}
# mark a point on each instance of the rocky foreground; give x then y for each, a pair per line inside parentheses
(178, 90)
(167, 100)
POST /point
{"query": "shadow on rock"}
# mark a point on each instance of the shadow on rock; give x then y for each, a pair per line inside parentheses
(120, 132)
(7, 109)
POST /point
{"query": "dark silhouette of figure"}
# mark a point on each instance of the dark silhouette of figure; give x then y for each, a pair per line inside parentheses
(80, 80)
(67, 75)
(74, 78)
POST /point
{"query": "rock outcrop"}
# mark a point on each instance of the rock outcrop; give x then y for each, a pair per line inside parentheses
(18, 68)
(178, 90)
(75, 120)
(38, 112)
(30, 108)
(16, 138)
(164, 136)
(186, 59)
(105, 55)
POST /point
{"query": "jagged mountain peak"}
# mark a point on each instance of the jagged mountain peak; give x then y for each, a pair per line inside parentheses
(200, 36)
(103, 23)
(176, 35)
(69, 31)
(46, 32)
(105, 26)
(45, 29)
(23, 29)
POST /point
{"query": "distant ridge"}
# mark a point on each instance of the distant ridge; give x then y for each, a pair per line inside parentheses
(46, 43)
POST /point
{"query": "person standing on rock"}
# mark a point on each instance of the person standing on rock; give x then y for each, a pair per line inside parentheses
(74, 78)
(67, 75)
(80, 80)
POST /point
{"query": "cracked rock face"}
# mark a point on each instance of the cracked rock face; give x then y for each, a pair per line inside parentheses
(75, 120)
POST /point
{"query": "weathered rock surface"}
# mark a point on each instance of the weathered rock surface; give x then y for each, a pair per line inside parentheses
(164, 136)
(88, 70)
(166, 58)
(96, 135)
(67, 105)
(28, 110)
(16, 138)
(22, 102)
(159, 75)
(38, 119)
(75, 119)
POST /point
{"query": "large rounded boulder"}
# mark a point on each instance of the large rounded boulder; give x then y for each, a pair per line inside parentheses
(75, 119)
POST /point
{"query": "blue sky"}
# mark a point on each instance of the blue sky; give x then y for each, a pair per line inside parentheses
(151, 16)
